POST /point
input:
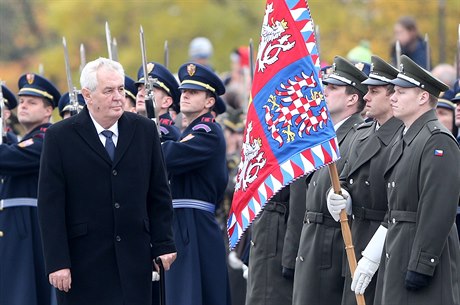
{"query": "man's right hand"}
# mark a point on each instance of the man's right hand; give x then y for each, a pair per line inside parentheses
(337, 202)
(61, 279)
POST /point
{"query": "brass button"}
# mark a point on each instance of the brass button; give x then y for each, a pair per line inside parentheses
(118, 238)
(117, 205)
(114, 172)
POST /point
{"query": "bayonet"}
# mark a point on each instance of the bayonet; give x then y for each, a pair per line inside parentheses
(114, 49)
(108, 39)
(428, 52)
(251, 59)
(150, 104)
(166, 55)
(317, 35)
(82, 57)
(73, 99)
(41, 69)
(398, 54)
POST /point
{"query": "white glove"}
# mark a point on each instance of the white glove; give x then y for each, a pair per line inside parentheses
(369, 263)
(338, 202)
(234, 261)
(245, 271)
(155, 276)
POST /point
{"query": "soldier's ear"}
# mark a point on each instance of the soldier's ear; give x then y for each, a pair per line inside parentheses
(210, 102)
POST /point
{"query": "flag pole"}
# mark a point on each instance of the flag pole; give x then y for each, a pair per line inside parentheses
(346, 232)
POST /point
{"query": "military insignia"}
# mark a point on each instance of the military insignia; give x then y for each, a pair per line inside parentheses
(188, 137)
(26, 143)
(201, 127)
(401, 68)
(191, 69)
(372, 67)
(360, 66)
(334, 67)
(30, 78)
(150, 67)
(438, 152)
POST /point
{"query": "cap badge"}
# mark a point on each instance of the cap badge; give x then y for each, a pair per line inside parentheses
(191, 69)
(372, 67)
(401, 67)
(150, 67)
(334, 67)
(30, 78)
(360, 66)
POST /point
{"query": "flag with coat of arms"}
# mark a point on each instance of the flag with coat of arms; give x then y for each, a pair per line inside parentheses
(288, 131)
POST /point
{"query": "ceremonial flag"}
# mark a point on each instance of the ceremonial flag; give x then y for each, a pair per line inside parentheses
(288, 130)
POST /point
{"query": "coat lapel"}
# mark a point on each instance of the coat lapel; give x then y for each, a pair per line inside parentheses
(369, 150)
(126, 130)
(85, 128)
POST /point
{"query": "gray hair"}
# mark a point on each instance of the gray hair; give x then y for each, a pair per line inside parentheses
(88, 78)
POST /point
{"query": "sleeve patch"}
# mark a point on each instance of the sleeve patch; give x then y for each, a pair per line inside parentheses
(26, 143)
(201, 126)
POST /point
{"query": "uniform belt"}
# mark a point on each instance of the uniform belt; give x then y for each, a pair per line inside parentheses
(320, 218)
(279, 207)
(369, 214)
(18, 202)
(402, 216)
(194, 204)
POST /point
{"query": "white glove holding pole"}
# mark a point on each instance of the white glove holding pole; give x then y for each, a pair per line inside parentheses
(369, 263)
(338, 202)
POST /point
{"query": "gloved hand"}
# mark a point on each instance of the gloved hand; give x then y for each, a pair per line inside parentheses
(416, 281)
(288, 273)
(363, 275)
(369, 263)
(155, 276)
(336, 203)
(234, 261)
(245, 271)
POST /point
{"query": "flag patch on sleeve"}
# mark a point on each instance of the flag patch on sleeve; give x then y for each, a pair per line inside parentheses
(26, 143)
(438, 152)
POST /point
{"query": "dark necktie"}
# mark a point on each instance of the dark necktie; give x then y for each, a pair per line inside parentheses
(109, 145)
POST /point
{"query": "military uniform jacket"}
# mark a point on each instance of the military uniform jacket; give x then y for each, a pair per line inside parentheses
(167, 128)
(104, 220)
(422, 178)
(318, 271)
(363, 178)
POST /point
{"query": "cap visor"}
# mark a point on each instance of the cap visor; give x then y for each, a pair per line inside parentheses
(402, 83)
(334, 81)
(192, 86)
(374, 82)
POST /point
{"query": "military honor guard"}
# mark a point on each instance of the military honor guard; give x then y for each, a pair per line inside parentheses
(166, 94)
(23, 277)
(10, 102)
(198, 176)
(456, 101)
(421, 255)
(363, 180)
(130, 94)
(66, 109)
(318, 277)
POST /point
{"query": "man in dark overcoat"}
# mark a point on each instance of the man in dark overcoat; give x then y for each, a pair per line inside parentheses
(421, 255)
(104, 202)
(318, 277)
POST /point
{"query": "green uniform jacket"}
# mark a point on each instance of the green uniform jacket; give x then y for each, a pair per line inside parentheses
(363, 178)
(318, 271)
(422, 177)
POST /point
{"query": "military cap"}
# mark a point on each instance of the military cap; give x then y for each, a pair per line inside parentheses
(163, 80)
(344, 73)
(220, 106)
(64, 103)
(363, 66)
(444, 100)
(31, 84)
(130, 88)
(198, 77)
(381, 74)
(456, 98)
(9, 99)
(234, 120)
(412, 75)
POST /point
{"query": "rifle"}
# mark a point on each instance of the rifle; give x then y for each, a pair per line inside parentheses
(108, 39)
(82, 57)
(73, 92)
(150, 105)
(2, 115)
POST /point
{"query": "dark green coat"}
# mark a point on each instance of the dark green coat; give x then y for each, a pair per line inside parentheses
(318, 272)
(363, 178)
(422, 177)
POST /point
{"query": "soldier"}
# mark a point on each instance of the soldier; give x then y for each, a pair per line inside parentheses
(318, 270)
(65, 109)
(10, 102)
(456, 101)
(445, 111)
(167, 95)
(421, 255)
(198, 177)
(23, 279)
(130, 94)
(362, 176)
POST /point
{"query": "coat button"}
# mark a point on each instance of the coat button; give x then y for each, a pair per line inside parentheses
(351, 181)
(389, 184)
(118, 238)
(114, 172)
(432, 260)
(117, 205)
(366, 183)
(393, 184)
(252, 243)
(387, 255)
(314, 183)
(393, 220)
(301, 258)
(1, 233)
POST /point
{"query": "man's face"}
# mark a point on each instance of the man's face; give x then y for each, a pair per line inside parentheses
(446, 117)
(378, 104)
(404, 102)
(158, 95)
(457, 115)
(194, 102)
(106, 103)
(33, 111)
(336, 99)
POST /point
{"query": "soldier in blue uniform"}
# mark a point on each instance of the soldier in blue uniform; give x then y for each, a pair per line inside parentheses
(167, 95)
(456, 101)
(23, 279)
(130, 94)
(65, 109)
(197, 167)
